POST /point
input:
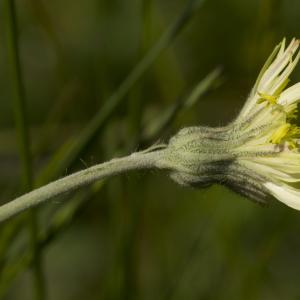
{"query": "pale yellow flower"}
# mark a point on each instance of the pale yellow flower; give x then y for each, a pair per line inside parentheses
(257, 154)
(273, 108)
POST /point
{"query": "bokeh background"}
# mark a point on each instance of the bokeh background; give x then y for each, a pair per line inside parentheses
(139, 236)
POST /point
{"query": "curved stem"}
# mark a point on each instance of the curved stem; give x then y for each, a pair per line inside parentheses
(63, 158)
(135, 161)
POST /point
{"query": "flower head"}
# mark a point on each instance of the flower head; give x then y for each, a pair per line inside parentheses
(258, 153)
(274, 107)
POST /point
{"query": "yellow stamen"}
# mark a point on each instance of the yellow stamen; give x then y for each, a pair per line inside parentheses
(293, 134)
(280, 133)
(287, 132)
(271, 99)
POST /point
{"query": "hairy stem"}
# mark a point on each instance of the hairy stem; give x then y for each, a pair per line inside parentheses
(135, 161)
(64, 159)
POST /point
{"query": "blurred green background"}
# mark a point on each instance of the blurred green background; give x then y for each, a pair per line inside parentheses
(140, 236)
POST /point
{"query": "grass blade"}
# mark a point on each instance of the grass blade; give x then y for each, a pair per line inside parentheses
(70, 152)
(22, 130)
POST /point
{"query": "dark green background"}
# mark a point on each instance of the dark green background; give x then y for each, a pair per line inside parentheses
(141, 236)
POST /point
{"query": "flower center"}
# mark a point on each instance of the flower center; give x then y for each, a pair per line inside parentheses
(280, 134)
(286, 132)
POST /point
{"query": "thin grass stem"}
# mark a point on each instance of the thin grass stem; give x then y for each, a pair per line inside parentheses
(64, 217)
(22, 130)
(68, 154)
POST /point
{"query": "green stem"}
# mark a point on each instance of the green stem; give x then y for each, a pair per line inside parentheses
(18, 95)
(135, 161)
(168, 36)
(23, 136)
(65, 216)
